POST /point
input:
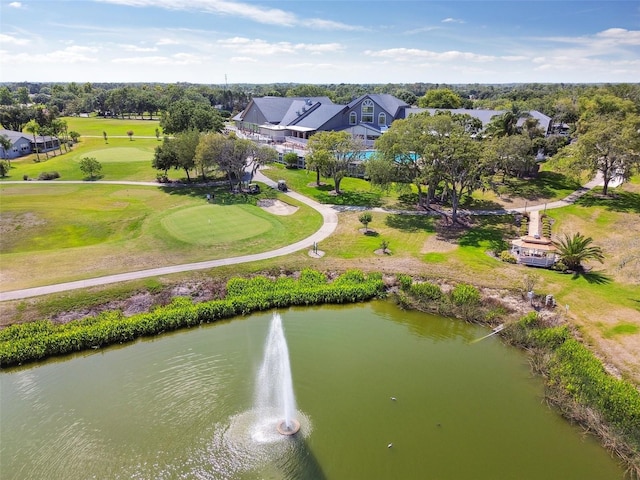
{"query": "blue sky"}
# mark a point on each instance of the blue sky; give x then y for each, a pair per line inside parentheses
(328, 41)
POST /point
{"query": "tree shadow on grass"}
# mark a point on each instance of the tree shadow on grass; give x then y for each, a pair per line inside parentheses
(95, 178)
(544, 185)
(618, 201)
(357, 198)
(481, 204)
(488, 231)
(220, 194)
(597, 278)
(411, 223)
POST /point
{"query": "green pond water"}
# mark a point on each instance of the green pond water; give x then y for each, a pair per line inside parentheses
(180, 406)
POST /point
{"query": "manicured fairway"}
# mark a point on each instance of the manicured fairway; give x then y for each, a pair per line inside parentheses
(94, 126)
(58, 232)
(214, 224)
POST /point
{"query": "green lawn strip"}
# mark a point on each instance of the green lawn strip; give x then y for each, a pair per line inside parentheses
(92, 230)
(355, 191)
(405, 234)
(94, 126)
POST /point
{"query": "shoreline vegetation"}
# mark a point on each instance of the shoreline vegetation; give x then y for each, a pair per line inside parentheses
(576, 382)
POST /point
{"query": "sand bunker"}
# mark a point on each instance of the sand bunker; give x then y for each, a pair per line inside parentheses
(277, 207)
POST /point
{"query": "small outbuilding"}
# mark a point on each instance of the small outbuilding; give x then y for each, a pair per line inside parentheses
(534, 249)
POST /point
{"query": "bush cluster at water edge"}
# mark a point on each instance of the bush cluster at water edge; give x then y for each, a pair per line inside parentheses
(38, 340)
(575, 376)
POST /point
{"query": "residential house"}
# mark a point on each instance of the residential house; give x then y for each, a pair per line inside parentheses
(23, 144)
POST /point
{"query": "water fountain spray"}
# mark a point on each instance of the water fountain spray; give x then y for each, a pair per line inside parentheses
(274, 390)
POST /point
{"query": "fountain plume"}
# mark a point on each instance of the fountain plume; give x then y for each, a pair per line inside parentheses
(274, 389)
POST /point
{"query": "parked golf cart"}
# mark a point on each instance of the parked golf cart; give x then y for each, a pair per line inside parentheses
(282, 186)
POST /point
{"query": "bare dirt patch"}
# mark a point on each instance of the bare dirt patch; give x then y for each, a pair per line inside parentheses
(433, 244)
(277, 207)
(10, 222)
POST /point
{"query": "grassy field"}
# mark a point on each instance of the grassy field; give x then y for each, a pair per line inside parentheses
(62, 232)
(94, 126)
(121, 159)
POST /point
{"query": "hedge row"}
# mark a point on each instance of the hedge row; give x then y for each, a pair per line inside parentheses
(38, 340)
(583, 376)
(576, 371)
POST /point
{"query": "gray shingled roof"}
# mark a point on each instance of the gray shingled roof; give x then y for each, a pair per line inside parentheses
(15, 136)
(317, 117)
(275, 109)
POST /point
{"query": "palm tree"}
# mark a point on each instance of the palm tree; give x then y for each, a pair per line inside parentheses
(6, 144)
(576, 248)
(32, 127)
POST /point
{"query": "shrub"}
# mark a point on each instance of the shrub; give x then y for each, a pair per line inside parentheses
(506, 256)
(582, 375)
(464, 294)
(426, 291)
(290, 159)
(524, 226)
(48, 176)
(405, 281)
(365, 219)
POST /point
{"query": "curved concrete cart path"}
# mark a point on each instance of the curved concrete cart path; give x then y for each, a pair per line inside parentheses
(330, 222)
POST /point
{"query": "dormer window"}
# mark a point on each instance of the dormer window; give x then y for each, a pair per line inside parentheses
(367, 111)
(353, 118)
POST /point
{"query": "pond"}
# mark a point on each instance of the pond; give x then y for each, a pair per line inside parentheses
(179, 406)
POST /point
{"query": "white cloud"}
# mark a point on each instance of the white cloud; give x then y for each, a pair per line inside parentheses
(619, 36)
(15, 5)
(70, 55)
(242, 60)
(421, 30)
(414, 54)
(320, 24)
(179, 59)
(271, 16)
(263, 48)
(8, 39)
(167, 41)
(452, 20)
(136, 48)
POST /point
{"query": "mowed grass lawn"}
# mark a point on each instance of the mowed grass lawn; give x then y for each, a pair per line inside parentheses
(53, 233)
(121, 159)
(114, 127)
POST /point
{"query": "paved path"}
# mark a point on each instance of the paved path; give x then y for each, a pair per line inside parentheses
(330, 222)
